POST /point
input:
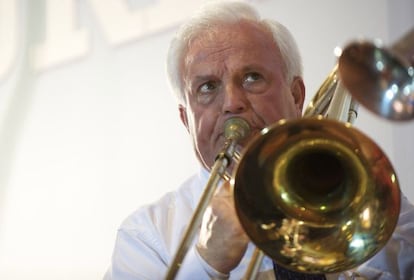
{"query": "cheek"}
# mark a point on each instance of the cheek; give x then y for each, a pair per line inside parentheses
(202, 125)
(206, 125)
(205, 135)
(272, 108)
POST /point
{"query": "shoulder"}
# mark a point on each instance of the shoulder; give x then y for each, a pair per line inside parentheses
(404, 230)
(159, 225)
(397, 256)
(406, 213)
(173, 206)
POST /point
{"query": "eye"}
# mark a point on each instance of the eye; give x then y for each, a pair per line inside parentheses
(207, 91)
(254, 82)
(207, 87)
(252, 77)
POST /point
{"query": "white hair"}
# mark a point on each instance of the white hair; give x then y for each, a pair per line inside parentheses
(228, 12)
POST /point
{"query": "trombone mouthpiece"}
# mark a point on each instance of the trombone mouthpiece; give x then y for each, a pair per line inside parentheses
(236, 128)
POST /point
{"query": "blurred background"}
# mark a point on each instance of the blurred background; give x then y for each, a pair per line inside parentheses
(89, 130)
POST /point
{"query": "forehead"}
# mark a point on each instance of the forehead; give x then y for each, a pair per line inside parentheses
(244, 41)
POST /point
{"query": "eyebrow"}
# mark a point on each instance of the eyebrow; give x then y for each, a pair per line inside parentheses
(196, 80)
(251, 67)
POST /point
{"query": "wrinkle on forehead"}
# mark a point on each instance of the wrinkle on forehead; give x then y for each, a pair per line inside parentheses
(213, 47)
(218, 40)
(211, 54)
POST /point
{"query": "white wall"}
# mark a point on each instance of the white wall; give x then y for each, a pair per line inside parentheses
(89, 130)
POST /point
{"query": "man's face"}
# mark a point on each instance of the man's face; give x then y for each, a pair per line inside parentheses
(235, 71)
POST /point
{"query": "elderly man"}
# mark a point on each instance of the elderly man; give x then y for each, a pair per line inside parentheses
(224, 62)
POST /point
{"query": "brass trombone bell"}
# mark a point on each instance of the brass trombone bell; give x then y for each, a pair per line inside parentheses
(381, 80)
(316, 195)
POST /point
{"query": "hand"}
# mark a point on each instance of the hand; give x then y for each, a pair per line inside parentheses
(222, 241)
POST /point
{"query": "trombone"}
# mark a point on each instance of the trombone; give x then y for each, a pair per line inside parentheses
(315, 194)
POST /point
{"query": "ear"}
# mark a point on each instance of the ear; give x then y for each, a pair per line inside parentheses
(183, 116)
(297, 88)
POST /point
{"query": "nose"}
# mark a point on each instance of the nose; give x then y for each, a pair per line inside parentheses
(235, 101)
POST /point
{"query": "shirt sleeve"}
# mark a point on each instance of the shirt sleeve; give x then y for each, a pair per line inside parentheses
(133, 259)
(148, 239)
